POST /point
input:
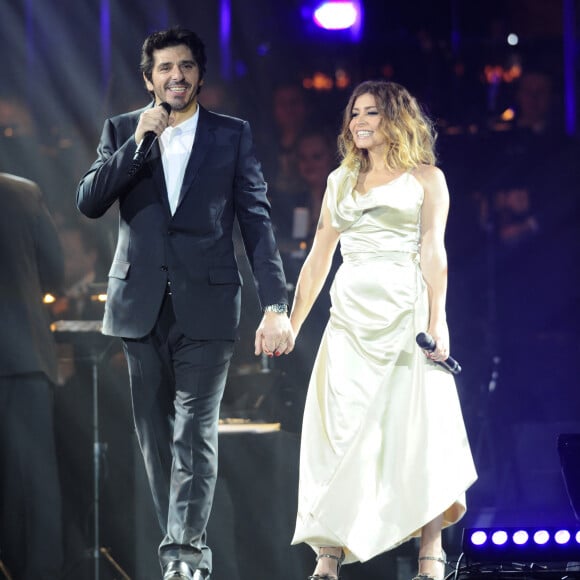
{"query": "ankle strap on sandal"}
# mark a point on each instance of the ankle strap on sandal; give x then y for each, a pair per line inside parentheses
(339, 558)
(332, 556)
(434, 559)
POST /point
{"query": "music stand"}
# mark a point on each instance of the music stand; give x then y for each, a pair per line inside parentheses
(87, 335)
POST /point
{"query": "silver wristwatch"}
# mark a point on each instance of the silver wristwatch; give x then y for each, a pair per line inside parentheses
(279, 308)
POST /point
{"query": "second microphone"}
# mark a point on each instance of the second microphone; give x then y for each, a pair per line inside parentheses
(426, 342)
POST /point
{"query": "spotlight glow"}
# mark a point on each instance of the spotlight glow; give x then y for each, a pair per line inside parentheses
(513, 39)
(479, 538)
(541, 537)
(336, 15)
(521, 537)
(562, 537)
(499, 538)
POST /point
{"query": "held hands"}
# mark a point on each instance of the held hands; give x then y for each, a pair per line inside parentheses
(274, 335)
(155, 119)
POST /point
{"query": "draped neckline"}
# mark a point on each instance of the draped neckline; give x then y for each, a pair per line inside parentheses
(387, 183)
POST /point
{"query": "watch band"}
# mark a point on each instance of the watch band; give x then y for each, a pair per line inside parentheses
(279, 308)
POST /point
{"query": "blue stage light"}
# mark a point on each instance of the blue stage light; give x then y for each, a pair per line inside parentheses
(562, 536)
(531, 544)
(499, 538)
(333, 21)
(478, 538)
(541, 537)
(337, 15)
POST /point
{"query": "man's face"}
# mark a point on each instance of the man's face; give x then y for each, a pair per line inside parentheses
(175, 78)
(315, 160)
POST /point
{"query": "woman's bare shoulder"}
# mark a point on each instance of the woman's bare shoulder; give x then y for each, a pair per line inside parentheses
(428, 175)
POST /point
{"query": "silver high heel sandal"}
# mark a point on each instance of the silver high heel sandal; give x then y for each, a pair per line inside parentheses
(441, 560)
(339, 560)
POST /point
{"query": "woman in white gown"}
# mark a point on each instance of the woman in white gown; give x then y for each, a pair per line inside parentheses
(384, 453)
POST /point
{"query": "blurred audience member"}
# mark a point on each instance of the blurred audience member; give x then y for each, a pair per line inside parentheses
(20, 148)
(15, 118)
(277, 140)
(534, 142)
(30, 497)
(535, 103)
(48, 155)
(295, 213)
(512, 213)
(316, 157)
(218, 97)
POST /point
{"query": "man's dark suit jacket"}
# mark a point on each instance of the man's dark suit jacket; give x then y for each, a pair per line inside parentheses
(31, 264)
(193, 249)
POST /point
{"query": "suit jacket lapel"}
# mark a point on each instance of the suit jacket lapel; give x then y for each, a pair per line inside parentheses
(203, 140)
(159, 175)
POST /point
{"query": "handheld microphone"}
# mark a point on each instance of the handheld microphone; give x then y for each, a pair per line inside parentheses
(145, 145)
(426, 342)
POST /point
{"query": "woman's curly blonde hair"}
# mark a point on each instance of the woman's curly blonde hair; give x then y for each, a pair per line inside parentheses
(409, 132)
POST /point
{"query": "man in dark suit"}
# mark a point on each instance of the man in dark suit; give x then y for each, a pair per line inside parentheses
(174, 285)
(30, 500)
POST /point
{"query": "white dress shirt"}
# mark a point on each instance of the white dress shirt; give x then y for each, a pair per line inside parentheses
(176, 143)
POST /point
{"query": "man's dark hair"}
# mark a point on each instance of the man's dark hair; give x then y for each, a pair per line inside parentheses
(172, 37)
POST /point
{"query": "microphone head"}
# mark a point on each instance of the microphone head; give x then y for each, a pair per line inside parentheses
(166, 106)
(425, 341)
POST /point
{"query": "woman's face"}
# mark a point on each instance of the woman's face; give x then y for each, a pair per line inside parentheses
(365, 122)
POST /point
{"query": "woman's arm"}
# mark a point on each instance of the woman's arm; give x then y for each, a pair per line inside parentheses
(433, 254)
(314, 270)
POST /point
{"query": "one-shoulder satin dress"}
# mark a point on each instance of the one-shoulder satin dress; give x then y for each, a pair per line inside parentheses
(384, 448)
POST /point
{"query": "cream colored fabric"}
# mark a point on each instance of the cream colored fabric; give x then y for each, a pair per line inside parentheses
(384, 448)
